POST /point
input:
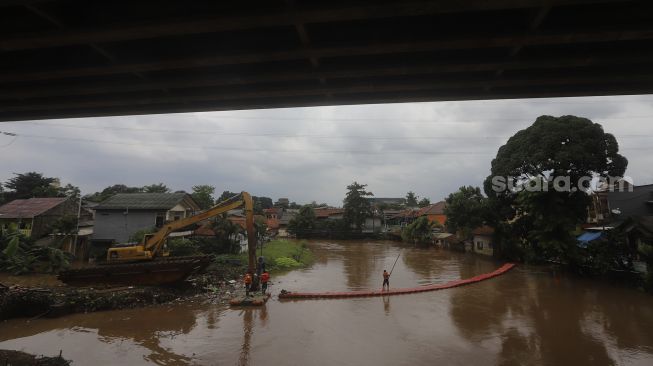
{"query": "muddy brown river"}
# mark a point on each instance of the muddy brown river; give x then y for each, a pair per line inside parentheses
(529, 316)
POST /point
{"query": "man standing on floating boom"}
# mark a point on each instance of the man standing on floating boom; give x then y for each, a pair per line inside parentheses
(386, 280)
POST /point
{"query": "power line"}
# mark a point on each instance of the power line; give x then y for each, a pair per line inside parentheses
(272, 134)
(204, 147)
(402, 120)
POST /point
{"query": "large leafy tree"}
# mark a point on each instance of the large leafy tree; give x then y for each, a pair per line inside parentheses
(555, 158)
(226, 195)
(156, 188)
(411, 199)
(465, 210)
(357, 206)
(424, 202)
(263, 202)
(303, 224)
(33, 184)
(203, 195)
(110, 191)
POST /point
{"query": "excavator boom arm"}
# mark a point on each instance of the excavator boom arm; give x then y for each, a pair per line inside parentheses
(154, 242)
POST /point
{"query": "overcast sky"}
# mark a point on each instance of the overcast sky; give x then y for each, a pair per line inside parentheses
(309, 154)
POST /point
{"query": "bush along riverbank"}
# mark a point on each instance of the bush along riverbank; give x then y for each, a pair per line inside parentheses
(280, 255)
(217, 285)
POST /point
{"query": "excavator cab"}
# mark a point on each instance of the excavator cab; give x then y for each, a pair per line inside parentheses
(133, 252)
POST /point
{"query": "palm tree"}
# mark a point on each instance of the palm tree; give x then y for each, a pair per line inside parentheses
(226, 231)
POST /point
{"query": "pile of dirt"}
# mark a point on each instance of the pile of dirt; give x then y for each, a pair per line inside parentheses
(17, 358)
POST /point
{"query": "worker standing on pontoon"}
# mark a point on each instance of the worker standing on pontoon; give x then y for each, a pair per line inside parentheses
(248, 283)
(265, 277)
(386, 279)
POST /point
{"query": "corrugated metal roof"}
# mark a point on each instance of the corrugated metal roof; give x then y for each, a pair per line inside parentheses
(142, 201)
(28, 208)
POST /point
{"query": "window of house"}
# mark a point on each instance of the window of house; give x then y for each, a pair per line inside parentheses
(479, 245)
(160, 219)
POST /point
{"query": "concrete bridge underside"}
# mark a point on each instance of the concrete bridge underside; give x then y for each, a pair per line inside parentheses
(74, 58)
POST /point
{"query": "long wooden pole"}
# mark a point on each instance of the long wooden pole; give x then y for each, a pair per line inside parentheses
(393, 265)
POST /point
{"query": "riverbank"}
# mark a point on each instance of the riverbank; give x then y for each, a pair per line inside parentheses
(17, 358)
(22, 296)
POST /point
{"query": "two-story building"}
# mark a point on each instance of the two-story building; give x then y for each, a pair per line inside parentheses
(122, 215)
(34, 216)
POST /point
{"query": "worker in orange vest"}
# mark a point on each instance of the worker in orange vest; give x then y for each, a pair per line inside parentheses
(265, 277)
(248, 283)
(386, 279)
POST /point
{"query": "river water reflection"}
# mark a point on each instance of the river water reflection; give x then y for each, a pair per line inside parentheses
(528, 316)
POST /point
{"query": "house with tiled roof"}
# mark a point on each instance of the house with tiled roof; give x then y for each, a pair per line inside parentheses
(34, 216)
(324, 213)
(435, 212)
(122, 215)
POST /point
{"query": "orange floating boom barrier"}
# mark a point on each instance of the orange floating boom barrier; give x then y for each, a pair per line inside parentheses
(400, 291)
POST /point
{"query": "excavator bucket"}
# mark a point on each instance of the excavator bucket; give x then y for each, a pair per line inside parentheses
(159, 272)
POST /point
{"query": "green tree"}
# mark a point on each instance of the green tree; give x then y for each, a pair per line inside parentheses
(227, 195)
(260, 228)
(203, 195)
(110, 191)
(226, 231)
(303, 224)
(70, 190)
(31, 184)
(263, 202)
(465, 210)
(357, 206)
(156, 188)
(419, 231)
(19, 255)
(552, 153)
(424, 202)
(411, 199)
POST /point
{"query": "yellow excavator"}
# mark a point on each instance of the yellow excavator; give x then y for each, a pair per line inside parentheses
(149, 263)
